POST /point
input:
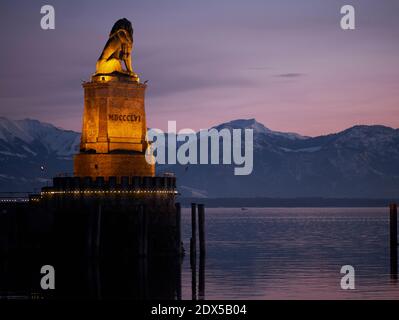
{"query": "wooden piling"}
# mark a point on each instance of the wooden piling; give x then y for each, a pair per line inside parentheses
(393, 225)
(393, 237)
(140, 230)
(143, 234)
(143, 252)
(201, 229)
(193, 241)
(202, 248)
(178, 229)
(90, 232)
(201, 278)
(194, 281)
(178, 279)
(98, 232)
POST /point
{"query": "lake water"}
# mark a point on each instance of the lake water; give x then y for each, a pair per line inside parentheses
(293, 253)
(256, 253)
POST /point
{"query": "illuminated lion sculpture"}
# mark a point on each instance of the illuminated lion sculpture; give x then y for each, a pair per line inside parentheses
(117, 49)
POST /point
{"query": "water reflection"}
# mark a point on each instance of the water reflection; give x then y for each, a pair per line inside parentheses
(201, 279)
(394, 263)
(294, 253)
(90, 278)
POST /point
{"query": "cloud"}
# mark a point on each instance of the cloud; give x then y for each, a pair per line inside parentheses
(259, 68)
(290, 75)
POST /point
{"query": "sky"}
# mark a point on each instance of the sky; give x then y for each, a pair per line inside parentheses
(286, 63)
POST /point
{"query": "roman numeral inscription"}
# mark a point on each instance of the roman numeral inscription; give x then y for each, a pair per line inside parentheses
(124, 117)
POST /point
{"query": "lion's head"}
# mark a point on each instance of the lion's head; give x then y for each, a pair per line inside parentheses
(122, 24)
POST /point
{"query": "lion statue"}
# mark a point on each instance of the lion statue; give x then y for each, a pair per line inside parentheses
(117, 49)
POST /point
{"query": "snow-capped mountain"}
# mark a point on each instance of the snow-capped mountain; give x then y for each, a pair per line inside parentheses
(258, 128)
(63, 142)
(31, 152)
(362, 161)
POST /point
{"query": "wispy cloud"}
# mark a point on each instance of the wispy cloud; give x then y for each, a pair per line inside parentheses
(290, 75)
(259, 68)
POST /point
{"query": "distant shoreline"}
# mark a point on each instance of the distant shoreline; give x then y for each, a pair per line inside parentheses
(288, 202)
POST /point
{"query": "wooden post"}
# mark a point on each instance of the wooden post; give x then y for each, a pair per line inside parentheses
(201, 229)
(98, 232)
(140, 229)
(143, 227)
(193, 281)
(393, 225)
(201, 279)
(145, 233)
(178, 279)
(193, 241)
(90, 231)
(393, 237)
(178, 229)
(143, 252)
(202, 247)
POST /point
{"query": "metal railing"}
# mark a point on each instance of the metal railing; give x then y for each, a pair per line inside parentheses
(14, 197)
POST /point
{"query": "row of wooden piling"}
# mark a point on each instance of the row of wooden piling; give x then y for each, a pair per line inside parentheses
(201, 232)
(193, 247)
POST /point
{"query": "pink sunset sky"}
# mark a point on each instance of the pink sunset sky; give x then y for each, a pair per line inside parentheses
(286, 63)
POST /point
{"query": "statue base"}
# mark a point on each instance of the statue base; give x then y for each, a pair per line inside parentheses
(114, 129)
(116, 76)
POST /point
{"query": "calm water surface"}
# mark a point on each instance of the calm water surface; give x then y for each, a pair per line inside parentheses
(293, 253)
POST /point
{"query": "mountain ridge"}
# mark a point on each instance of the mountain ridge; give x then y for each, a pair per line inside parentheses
(361, 161)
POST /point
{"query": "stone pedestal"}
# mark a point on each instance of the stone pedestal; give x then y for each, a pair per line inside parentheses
(114, 128)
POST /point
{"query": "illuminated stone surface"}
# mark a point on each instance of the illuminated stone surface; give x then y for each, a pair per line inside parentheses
(113, 117)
